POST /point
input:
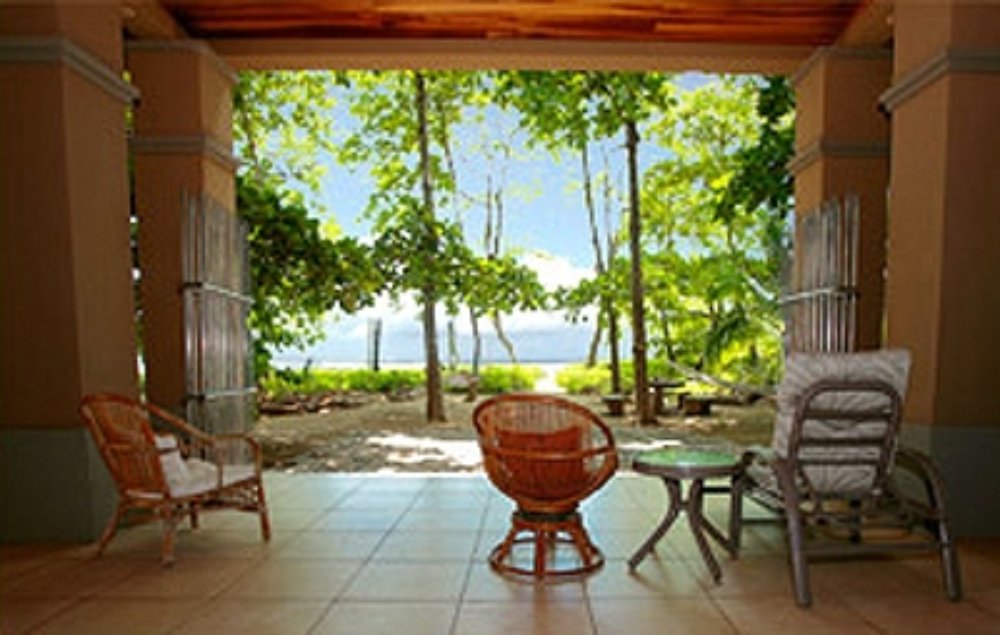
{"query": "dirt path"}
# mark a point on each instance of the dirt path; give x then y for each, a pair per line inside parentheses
(377, 434)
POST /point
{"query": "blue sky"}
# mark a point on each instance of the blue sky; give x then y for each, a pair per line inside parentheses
(545, 222)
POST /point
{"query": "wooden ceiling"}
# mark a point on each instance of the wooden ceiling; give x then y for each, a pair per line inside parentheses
(767, 22)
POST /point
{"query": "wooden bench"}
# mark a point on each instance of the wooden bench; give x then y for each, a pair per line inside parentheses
(615, 404)
(694, 405)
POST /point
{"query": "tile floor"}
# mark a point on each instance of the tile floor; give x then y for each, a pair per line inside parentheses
(373, 555)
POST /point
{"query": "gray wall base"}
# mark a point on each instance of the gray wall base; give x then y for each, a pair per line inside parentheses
(968, 458)
(53, 486)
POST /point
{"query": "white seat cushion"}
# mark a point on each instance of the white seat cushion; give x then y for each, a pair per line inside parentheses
(802, 371)
(190, 477)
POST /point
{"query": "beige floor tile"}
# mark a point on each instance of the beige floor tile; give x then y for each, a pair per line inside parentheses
(652, 578)
(874, 578)
(330, 544)
(766, 615)
(539, 618)
(923, 615)
(299, 579)
(387, 618)
(658, 616)
(403, 544)
(620, 544)
(244, 543)
(750, 575)
(397, 581)
(70, 578)
(199, 578)
(988, 600)
(133, 616)
(254, 617)
(19, 616)
(431, 520)
(486, 585)
(357, 520)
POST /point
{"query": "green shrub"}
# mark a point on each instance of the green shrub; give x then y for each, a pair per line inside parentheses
(282, 382)
(578, 379)
(508, 378)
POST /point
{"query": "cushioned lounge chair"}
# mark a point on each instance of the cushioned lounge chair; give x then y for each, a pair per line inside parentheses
(836, 473)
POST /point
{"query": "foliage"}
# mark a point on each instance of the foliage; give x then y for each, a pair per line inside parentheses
(282, 128)
(298, 274)
(283, 382)
(578, 379)
(508, 378)
(713, 278)
(310, 381)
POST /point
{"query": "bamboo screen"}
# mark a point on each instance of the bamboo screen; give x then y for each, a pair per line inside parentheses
(821, 306)
(219, 362)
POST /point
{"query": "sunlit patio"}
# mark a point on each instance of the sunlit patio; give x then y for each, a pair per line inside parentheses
(372, 554)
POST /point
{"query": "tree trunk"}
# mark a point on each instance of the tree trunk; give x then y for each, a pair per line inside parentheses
(613, 337)
(595, 241)
(607, 301)
(435, 395)
(643, 403)
(477, 342)
(595, 344)
(502, 336)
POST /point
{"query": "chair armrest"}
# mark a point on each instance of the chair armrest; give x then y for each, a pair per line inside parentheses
(919, 465)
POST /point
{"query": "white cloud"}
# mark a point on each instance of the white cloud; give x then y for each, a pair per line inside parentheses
(555, 271)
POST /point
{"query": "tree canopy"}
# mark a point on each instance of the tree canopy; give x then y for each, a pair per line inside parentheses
(702, 206)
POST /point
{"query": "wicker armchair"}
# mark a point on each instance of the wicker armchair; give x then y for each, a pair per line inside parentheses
(835, 472)
(547, 454)
(172, 470)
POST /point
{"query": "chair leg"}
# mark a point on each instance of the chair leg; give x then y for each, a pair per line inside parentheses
(542, 540)
(796, 544)
(110, 529)
(736, 514)
(169, 534)
(265, 522)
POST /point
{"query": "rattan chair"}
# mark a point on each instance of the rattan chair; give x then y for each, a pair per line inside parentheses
(547, 454)
(166, 469)
(836, 474)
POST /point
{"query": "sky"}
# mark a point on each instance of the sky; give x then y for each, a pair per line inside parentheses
(546, 225)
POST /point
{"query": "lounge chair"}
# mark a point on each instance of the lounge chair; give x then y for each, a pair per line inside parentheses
(836, 473)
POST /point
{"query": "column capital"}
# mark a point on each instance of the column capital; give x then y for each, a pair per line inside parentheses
(944, 63)
(61, 50)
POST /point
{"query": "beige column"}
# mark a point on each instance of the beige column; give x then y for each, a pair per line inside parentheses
(67, 325)
(943, 292)
(841, 149)
(182, 148)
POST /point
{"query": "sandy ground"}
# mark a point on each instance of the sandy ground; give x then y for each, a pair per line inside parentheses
(375, 434)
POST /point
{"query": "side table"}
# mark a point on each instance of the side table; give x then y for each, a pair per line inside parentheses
(695, 464)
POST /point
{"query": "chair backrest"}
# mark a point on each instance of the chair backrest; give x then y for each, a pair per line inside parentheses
(124, 436)
(544, 451)
(838, 418)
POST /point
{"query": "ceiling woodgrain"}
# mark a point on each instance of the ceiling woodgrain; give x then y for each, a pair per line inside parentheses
(769, 22)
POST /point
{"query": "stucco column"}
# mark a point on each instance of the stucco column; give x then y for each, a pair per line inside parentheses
(182, 148)
(841, 149)
(943, 294)
(67, 325)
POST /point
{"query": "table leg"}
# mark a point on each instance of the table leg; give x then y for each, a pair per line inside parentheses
(674, 508)
(698, 523)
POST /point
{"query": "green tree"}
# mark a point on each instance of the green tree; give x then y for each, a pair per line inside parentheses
(559, 110)
(282, 130)
(298, 275)
(716, 308)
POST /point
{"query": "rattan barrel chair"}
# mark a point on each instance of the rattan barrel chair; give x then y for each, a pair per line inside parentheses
(547, 454)
(166, 469)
